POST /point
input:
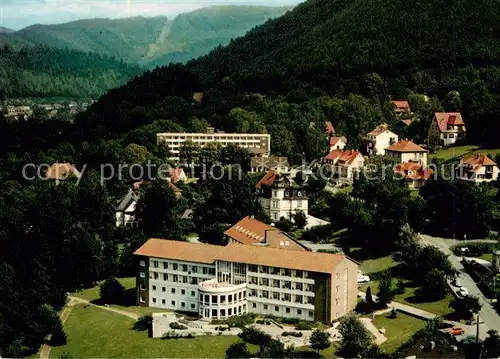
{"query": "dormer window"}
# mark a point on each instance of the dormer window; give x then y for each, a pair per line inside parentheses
(299, 194)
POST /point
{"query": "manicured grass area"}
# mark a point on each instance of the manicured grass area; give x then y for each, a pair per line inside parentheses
(375, 268)
(487, 257)
(451, 153)
(92, 295)
(440, 307)
(97, 333)
(398, 330)
(327, 353)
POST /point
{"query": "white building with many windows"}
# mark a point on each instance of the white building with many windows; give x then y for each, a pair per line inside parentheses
(280, 195)
(256, 143)
(218, 282)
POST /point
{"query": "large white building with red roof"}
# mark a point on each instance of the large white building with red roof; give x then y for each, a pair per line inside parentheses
(477, 168)
(218, 282)
(446, 129)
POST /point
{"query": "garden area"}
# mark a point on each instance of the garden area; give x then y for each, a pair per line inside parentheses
(127, 303)
(398, 330)
(96, 333)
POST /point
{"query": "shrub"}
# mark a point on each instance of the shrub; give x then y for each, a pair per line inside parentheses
(290, 320)
(304, 326)
(400, 287)
(221, 328)
(254, 336)
(58, 337)
(112, 291)
(241, 321)
(293, 334)
(143, 323)
(175, 325)
(176, 335)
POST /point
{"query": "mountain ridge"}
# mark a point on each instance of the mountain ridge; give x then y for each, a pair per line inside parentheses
(142, 40)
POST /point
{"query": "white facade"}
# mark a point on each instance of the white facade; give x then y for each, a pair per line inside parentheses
(174, 141)
(126, 218)
(237, 288)
(481, 174)
(281, 206)
(449, 138)
(416, 157)
(378, 143)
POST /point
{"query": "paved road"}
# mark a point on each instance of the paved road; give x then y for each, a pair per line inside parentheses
(488, 314)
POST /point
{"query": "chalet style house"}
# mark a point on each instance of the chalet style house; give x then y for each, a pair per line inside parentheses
(280, 196)
(401, 107)
(407, 151)
(337, 143)
(379, 139)
(446, 129)
(478, 168)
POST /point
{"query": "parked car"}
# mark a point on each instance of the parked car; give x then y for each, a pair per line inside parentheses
(463, 292)
(363, 278)
(456, 331)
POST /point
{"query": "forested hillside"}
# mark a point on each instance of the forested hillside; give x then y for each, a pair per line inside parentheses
(126, 39)
(45, 72)
(194, 34)
(148, 41)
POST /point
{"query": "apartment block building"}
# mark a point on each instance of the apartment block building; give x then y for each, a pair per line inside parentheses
(217, 282)
(256, 143)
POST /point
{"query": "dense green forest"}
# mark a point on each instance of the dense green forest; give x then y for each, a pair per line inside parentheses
(46, 72)
(148, 41)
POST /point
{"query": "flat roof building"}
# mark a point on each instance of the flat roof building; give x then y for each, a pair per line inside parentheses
(218, 282)
(256, 143)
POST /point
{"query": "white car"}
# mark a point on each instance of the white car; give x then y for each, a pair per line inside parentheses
(463, 292)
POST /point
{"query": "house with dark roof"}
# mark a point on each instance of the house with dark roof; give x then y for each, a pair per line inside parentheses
(281, 196)
(124, 211)
(446, 129)
(477, 168)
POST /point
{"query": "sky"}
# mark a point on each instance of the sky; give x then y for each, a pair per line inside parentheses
(17, 14)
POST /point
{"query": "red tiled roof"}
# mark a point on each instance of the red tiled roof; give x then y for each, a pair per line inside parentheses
(61, 171)
(137, 185)
(249, 231)
(448, 118)
(379, 129)
(335, 140)
(477, 161)
(407, 122)
(401, 106)
(206, 253)
(176, 174)
(405, 146)
(268, 179)
(342, 156)
(413, 171)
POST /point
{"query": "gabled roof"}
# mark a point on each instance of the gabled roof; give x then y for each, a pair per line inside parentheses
(401, 106)
(343, 156)
(250, 231)
(477, 161)
(335, 140)
(257, 255)
(413, 171)
(448, 118)
(380, 129)
(61, 171)
(126, 200)
(267, 180)
(405, 146)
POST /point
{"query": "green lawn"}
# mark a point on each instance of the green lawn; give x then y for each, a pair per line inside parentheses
(92, 294)
(375, 268)
(97, 333)
(440, 307)
(457, 152)
(398, 330)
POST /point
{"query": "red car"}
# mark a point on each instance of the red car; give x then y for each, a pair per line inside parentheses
(456, 331)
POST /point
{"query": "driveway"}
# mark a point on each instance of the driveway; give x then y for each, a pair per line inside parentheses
(488, 314)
